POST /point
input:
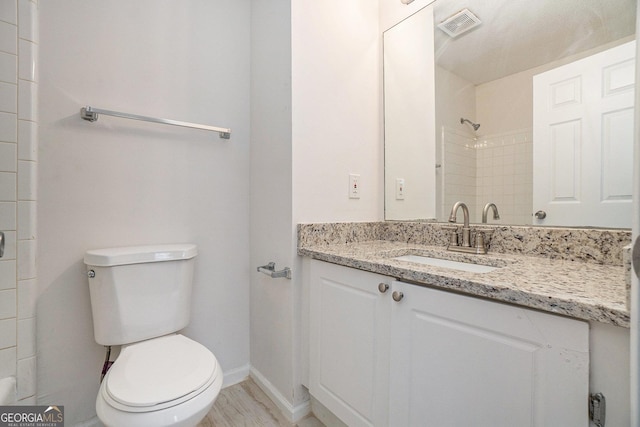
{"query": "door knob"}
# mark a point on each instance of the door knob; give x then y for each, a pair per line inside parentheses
(540, 214)
(383, 287)
(1, 244)
(397, 296)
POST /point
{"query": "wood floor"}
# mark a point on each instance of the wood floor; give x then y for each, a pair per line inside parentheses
(246, 405)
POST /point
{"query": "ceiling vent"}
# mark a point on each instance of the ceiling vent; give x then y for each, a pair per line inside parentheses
(459, 23)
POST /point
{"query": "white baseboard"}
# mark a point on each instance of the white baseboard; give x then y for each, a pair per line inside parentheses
(235, 376)
(292, 413)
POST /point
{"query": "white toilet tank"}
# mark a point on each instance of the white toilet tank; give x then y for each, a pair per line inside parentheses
(139, 292)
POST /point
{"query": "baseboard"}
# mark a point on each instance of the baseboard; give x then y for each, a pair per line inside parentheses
(292, 413)
(235, 376)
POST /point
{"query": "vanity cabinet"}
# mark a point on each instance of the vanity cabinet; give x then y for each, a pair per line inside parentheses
(349, 343)
(418, 356)
(463, 361)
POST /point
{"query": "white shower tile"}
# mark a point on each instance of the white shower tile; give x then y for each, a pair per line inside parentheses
(26, 377)
(9, 11)
(26, 259)
(7, 274)
(27, 297)
(26, 220)
(27, 69)
(8, 68)
(27, 100)
(8, 156)
(7, 333)
(27, 140)
(7, 303)
(27, 180)
(8, 186)
(26, 339)
(8, 97)
(8, 362)
(28, 21)
(8, 216)
(8, 38)
(8, 127)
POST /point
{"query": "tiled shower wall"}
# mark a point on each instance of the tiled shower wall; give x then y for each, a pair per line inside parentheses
(459, 171)
(505, 176)
(18, 181)
(494, 168)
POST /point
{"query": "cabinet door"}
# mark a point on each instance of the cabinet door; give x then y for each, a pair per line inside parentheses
(349, 343)
(462, 361)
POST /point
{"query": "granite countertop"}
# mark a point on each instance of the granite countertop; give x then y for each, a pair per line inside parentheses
(582, 290)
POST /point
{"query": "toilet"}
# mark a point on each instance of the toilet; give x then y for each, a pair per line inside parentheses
(140, 300)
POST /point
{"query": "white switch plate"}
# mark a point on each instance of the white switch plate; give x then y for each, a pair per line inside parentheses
(399, 188)
(354, 186)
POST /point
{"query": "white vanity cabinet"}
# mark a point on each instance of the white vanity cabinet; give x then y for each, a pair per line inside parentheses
(457, 360)
(418, 356)
(349, 343)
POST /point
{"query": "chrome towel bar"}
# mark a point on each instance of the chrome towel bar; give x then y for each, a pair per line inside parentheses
(91, 114)
(270, 270)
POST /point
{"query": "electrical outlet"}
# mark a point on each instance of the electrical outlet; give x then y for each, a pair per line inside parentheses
(354, 186)
(399, 188)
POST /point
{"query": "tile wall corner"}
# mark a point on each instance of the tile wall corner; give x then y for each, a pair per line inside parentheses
(19, 39)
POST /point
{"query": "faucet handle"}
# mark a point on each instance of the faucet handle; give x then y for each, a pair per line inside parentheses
(481, 233)
(453, 235)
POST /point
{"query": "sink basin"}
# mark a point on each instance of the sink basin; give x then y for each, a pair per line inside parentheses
(446, 263)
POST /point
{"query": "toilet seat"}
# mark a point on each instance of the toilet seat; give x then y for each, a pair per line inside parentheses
(159, 373)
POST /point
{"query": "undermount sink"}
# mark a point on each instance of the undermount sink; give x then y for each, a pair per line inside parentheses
(446, 263)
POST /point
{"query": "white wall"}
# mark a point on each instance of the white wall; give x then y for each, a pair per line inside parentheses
(336, 110)
(120, 182)
(274, 353)
(315, 119)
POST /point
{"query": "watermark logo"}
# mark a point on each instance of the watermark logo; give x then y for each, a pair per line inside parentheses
(32, 416)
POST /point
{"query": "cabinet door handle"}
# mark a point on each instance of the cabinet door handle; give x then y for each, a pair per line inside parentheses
(383, 287)
(397, 296)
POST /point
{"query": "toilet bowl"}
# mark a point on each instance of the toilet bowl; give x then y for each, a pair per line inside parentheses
(166, 381)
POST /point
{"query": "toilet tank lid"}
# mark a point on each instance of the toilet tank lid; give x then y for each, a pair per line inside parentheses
(139, 254)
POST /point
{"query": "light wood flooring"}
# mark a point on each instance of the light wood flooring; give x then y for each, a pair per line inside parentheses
(246, 405)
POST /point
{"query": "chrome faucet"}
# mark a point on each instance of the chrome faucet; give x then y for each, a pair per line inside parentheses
(466, 231)
(485, 211)
(480, 246)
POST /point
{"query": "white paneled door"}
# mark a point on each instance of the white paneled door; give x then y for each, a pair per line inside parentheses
(583, 115)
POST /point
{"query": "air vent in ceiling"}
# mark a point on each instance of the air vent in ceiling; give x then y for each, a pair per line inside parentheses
(459, 22)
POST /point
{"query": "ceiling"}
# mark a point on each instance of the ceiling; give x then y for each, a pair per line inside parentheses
(517, 35)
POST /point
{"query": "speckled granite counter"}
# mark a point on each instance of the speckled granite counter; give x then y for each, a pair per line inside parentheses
(584, 290)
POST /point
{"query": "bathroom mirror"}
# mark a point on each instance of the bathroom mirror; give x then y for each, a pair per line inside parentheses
(437, 86)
